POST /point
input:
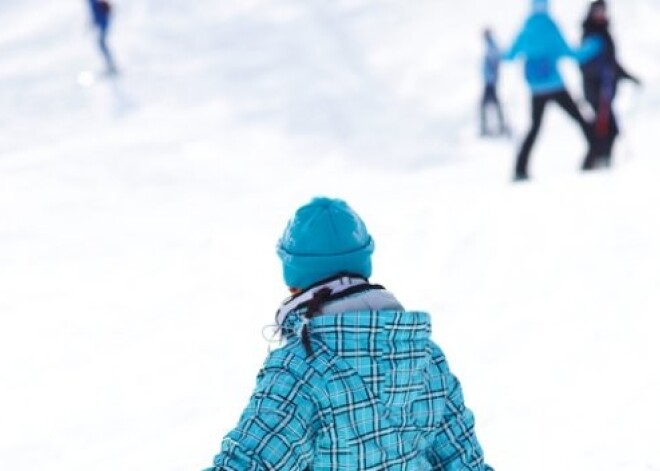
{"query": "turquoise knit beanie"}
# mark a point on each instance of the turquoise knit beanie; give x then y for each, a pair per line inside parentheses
(325, 237)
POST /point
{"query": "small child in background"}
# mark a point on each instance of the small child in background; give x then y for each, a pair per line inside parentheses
(491, 66)
(359, 384)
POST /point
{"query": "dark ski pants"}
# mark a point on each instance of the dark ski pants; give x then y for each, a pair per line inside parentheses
(105, 50)
(490, 99)
(539, 102)
(603, 141)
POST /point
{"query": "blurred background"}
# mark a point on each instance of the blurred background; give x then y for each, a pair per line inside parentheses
(140, 208)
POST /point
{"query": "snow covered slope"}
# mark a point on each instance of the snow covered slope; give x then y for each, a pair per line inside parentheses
(138, 220)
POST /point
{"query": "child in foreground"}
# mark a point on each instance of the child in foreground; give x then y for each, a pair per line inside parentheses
(359, 384)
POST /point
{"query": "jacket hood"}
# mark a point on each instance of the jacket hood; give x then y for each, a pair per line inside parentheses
(390, 350)
(542, 38)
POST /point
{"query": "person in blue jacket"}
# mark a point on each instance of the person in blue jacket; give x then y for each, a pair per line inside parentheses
(490, 99)
(542, 45)
(101, 11)
(359, 384)
(601, 72)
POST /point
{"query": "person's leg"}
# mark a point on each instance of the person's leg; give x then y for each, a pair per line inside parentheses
(538, 108)
(612, 134)
(103, 46)
(592, 93)
(591, 89)
(483, 105)
(503, 127)
(565, 101)
(486, 101)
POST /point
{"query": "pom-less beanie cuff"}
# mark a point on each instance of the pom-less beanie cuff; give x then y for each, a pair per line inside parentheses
(302, 271)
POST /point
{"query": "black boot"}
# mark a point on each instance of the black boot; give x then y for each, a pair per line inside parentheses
(590, 160)
(520, 176)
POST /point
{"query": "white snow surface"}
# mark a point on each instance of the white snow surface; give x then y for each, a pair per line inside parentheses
(139, 216)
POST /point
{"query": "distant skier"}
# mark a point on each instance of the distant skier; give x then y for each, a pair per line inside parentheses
(359, 384)
(490, 99)
(102, 15)
(600, 76)
(541, 43)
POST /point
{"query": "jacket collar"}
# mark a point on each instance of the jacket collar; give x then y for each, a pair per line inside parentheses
(338, 286)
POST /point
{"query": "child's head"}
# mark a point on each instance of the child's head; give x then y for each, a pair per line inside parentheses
(540, 6)
(324, 238)
(598, 11)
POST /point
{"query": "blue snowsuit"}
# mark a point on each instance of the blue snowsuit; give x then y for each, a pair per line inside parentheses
(490, 70)
(491, 64)
(101, 18)
(375, 394)
(99, 15)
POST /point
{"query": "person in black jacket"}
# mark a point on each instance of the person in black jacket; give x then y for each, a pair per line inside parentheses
(600, 76)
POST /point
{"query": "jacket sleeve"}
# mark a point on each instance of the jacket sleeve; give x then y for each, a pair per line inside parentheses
(516, 48)
(590, 48)
(563, 48)
(456, 447)
(277, 429)
(622, 73)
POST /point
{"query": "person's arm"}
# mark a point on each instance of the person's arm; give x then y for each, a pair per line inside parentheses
(277, 429)
(456, 446)
(590, 48)
(516, 48)
(563, 49)
(622, 73)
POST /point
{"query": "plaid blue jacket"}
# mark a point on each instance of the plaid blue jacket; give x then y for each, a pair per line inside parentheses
(376, 394)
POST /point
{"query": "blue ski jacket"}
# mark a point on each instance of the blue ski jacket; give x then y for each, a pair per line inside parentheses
(375, 394)
(541, 44)
(100, 16)
(491, 63)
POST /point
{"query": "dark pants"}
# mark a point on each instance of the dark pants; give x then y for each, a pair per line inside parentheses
(604, 136)
(539, 102)
(105, 51)
(490, 99)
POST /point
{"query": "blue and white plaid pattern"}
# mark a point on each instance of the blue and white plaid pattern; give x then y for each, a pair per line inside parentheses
(376, 394)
